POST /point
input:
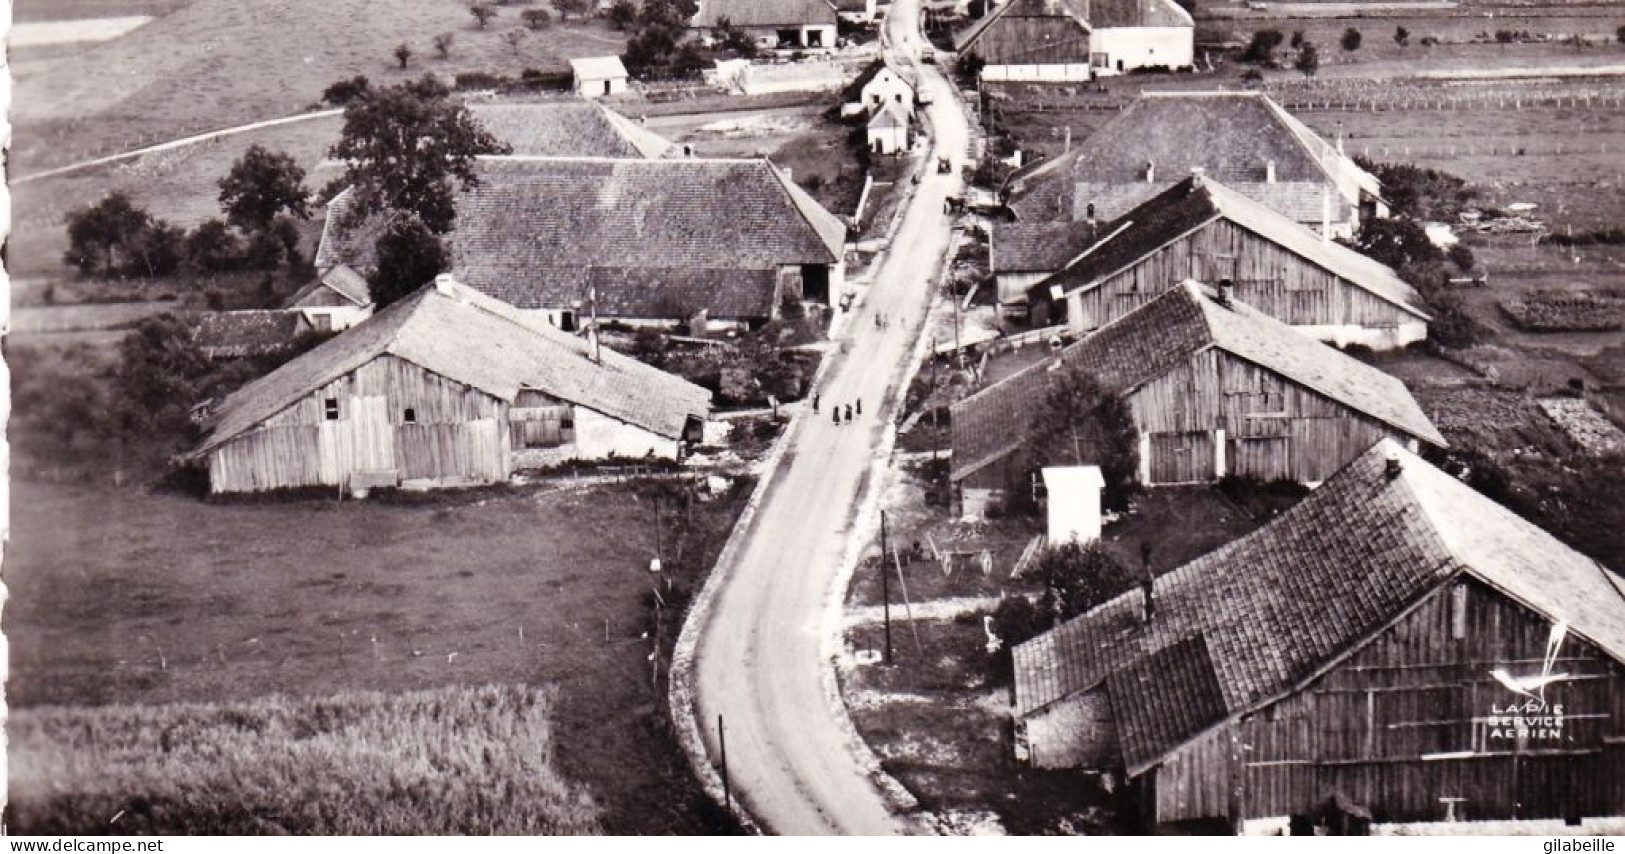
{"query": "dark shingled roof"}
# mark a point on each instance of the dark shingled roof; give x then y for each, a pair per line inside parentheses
(538, 232)
(1090, 14)
(1160, 335)
(1231, 136)
(764, 13)
(484, 343)
(1192, 203)
(230, 334)
(1270, 611)
(341, 283)
(1039, 246)
(1076, 10)
(571, 129)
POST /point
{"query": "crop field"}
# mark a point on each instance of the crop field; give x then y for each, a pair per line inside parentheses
(448, 761)
(218, 63)
(124, 598)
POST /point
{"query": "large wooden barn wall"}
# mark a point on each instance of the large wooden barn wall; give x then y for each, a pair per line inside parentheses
(1027, 40)
(1404, 722)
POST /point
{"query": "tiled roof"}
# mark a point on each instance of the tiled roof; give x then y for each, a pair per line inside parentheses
(1231, 136)
(1077, 10)
(1192, 203)
(598, 68)
(1273, 609)
(537, 231)
(652, 292)
(341, 281)
(1039, 246)
(1160, 335)
(248, 333)
(764, 13)
(572, 128)
(463, 335)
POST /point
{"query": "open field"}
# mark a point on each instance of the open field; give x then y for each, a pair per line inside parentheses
(452, 761)
(218, 63)
(144, 598)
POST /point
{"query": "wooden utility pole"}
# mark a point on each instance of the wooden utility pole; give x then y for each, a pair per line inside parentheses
(727, 791)
(885, 588)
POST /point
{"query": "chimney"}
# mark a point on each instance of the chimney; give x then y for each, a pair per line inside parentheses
(1393, 465)
(445, 284)
(1150, 172)
(1198, 177)
(1269, 172)
(1225, 287)
(1148, 586)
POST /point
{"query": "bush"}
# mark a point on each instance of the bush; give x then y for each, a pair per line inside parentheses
(340, 94)
(1015, 621)
(1078, 577)
(1261, 50)
(536, 19)
(1352, 39)
(1461, 255)
(480, 80)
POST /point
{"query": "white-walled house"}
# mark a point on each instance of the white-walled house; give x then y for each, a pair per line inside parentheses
(773, 24)
(878, 85)
(888, 129)
(338, 300)
(1074, 40)
(599, 76)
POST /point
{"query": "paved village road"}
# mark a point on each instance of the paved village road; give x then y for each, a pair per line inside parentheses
(760, 657)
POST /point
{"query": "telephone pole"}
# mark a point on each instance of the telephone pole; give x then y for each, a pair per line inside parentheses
(885, 588)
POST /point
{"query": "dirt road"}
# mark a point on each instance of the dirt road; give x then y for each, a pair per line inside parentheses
(762, 658)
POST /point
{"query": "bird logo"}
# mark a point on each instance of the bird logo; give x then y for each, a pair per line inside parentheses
(1534, 687)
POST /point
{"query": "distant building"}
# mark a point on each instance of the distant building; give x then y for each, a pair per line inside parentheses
(338, 300)
(1026, 253)
(599, 76)
(1214, 387)
(1242, 139)
(1397, 644)
(878, 85)
(447, 387)
(887, 132)
(1199, 228)
(648, 242)
(773, 24)
(247, 334)
(1078, 39)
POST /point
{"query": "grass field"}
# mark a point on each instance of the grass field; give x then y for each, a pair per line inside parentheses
(218, 63)
(451, 761)
(120, 597)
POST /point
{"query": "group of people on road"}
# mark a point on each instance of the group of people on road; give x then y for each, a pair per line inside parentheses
(841, 415)
(881, 322)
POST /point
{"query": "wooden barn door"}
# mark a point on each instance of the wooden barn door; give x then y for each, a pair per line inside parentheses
(1181, 457)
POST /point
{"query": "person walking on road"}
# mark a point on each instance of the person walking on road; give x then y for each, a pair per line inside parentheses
(836, 413)
(860, 406)
(815, 404)
(849, 413)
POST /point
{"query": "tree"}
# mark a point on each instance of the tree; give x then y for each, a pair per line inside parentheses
(442, 45)
(648, 48)
(155, 250)
(403, 54)
(483, 14)
(1461, 255)
(688, 61)
(409, 255)
(261, 185)
(1352, 39)
(1297, 39)
(99, 234)
(1078, 577)
(341, 93)
(1396, 241)
(1261, 50)
(536, 19)
(729, 37)
(515, 40)
(404, 146)
(1080, 423)
(157, 380)
(1402, 36)
(566, 8)
(1308, 59)
(1619, 34)
(622, 14)
(213, 247)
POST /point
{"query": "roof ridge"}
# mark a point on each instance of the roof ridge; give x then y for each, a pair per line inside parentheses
(799, 198)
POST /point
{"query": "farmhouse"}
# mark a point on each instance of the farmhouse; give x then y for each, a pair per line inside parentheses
(1078, 39)
(785, 24)
(445, 387)
(574, 128)
(653, 242)
(1242, 139)
(887, 132)
(1213, 386)
(1201, 229)
(338, 300)
(598, 76)
(1396, 640)
(1026, 253)
(876, 86)
(246, 334)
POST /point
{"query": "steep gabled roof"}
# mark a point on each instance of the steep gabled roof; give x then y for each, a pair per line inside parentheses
(575, 128)
(341, 281)
(1075, 10)
(1161, 335)
(1230, 136)
(854, 91)
(1195, 202)
(1256, 619)
(764, 13)
(1039, 246)
(465, 336)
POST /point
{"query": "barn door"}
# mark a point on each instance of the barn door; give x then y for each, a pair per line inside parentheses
(1181, 457)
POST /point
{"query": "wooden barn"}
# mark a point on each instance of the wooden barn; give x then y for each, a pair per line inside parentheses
(640, 241)
(1397, 643)
(1243, 139)
(1213, 386)
(447, 387)
(1201, 229)
(1071, 40)
(1025, 253)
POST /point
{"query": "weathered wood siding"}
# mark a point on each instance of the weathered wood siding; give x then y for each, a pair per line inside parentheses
(457, 434)
(1018, 39)
(1077, 732)
(1278, 283)
(1409, 720)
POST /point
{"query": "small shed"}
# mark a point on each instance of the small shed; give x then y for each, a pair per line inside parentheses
(597, 76)
(888, 130)
(338, 300)
(1074, 503)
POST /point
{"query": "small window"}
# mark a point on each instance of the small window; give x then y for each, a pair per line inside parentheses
(410, 416)
(331, 409)
(567, 423)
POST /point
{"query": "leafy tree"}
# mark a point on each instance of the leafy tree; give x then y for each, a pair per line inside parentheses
(261, 185)
(156, 382)
(1461, 255)
(1308, 59)
(100, 235)
(515, 40)
(1079, 423)
(213, 247)
(1078, 577)
(536, 19)
(1352, 39)
(409, 256)
(649, 48)
(403, 54)
(1396, 241)
(1297, 39)
(442, 45)
(404, 146)
(622, 14)
(688, 61)
(1261, 50)
(1418, 192)
(483, 14)
(729, 37)
(1402, 36)
(969, 67)
(578, 8)
(155, 250)
(341, 93)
